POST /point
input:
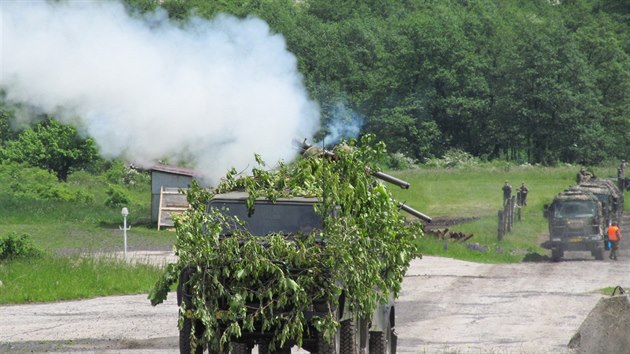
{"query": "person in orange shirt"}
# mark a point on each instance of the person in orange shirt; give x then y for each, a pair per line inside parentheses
(614, 236)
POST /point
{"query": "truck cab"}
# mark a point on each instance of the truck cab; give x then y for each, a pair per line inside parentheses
(576, 224)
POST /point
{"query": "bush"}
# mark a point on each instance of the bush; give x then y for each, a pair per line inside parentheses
(117, 197)
(38, 184)
(454, 158)
(17, 246)
(400, 161)
(118, 173)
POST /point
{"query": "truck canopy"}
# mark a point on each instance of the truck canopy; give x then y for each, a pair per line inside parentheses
(285, 215)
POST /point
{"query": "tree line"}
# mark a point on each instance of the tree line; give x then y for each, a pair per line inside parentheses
(540, 81)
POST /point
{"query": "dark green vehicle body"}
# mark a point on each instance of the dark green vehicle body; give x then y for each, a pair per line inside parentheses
(576, 223)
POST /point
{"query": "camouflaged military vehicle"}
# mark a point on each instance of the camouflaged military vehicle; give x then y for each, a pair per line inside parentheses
(291, 216)
(609, 195)
(576, 223)
(277, 272)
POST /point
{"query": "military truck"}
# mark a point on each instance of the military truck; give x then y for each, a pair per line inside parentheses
(310, 253)
(289, 217)
(576, 223)
(609, 195)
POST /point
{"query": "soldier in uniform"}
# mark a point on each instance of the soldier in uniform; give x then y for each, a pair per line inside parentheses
(583, 176)
(522, 194)
(507, 192)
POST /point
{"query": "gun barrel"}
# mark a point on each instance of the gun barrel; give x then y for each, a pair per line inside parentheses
(391, 179)
(414, 212)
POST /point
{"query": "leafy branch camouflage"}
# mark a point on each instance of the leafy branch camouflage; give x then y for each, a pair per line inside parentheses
(363, 249)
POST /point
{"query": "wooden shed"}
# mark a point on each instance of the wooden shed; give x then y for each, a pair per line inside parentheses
(166, 199)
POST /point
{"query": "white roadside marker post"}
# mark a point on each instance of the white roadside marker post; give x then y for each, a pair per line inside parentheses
(124, 213)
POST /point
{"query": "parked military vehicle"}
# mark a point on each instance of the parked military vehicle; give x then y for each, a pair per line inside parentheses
(576, 223)
(291, 217)
(609, 195)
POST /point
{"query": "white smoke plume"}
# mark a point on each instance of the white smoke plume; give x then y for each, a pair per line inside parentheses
(210, 92)
(345, 123)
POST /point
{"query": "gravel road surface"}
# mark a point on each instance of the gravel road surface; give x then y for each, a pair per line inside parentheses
(446, 306)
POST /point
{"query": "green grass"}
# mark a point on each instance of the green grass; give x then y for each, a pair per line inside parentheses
(63, 230)
(66, 278)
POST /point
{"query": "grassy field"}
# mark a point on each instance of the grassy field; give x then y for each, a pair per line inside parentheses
(60, 227)
(65, 229)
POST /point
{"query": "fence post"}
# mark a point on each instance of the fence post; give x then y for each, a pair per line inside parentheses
(501, 226)
(507, 212)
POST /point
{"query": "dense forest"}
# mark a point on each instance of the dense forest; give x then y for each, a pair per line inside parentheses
(535, 81)
(541, 81)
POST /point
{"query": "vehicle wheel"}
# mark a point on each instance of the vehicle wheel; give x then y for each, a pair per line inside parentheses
(556, 254)
(349, 342)
(185, 345)
(263, 348)
(599, 254)
(241, 348)
(383, 342)
(324, 347)
(378, 343)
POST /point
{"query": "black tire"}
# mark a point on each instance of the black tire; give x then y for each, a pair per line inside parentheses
(241, 348)
(185, 345)
(383, 342)
(556, 254)
(349, 342)
(324, 347)
(263, 348)
(599, 254)
(378, 343)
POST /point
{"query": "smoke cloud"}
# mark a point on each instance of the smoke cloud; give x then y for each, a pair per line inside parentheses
(345, 123)
(209, 92)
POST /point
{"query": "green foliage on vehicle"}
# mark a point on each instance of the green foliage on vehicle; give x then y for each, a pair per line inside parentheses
(363, 249)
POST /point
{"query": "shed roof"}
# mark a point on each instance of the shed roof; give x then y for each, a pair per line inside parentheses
(184, 171)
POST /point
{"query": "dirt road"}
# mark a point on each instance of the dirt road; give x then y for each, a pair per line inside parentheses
(445, 306)
(453, 306)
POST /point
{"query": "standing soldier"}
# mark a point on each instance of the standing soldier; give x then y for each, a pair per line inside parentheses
(583, 176)
(614, 236)
(522, 194)
(507, 192)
